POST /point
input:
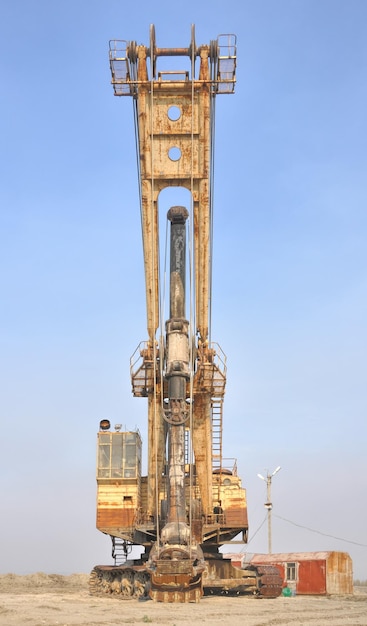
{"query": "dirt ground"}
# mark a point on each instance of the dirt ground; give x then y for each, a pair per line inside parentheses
(50, 600)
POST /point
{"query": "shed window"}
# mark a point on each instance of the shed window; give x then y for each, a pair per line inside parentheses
(291, 571)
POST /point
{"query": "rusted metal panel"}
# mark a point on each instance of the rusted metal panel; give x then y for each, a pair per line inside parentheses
(311, 577)
(318, 573)
(197, 530)
(156, 450)
(283, 557)
(113, 494)
(233, 498)
(236, 517)
(176, 587)
(202, 443)
(115, 518)
(221, 575)
(117, 504)
(339, 573)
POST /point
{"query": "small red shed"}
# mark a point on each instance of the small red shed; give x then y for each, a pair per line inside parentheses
(312, 573)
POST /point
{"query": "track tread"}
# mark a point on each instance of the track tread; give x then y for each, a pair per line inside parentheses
(134, 583)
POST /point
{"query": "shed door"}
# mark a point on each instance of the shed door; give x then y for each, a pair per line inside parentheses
(312, 577)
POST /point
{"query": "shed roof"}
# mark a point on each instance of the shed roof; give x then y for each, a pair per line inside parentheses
(292, 556)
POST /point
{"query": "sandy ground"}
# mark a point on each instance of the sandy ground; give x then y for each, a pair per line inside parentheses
(50, 600)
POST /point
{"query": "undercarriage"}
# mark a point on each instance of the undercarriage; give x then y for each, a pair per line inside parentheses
(136, 582)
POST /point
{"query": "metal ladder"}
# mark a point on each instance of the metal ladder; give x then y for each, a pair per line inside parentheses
(217, 424)
(119, 550)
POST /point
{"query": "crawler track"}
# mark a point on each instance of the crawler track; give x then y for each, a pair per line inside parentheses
(125, 582)
(269, 581)
(133, 582)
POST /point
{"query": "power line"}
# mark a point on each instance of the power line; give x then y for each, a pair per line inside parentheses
(319, 532)
(256, 531)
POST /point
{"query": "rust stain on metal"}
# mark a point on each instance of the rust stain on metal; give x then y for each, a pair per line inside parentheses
(189, 504)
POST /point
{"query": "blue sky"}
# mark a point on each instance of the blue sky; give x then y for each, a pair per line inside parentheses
(290, 281)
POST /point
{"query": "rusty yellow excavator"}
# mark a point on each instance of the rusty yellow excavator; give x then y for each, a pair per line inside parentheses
(191, 502)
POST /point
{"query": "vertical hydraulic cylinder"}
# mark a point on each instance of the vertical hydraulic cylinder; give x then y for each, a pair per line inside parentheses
(177, 366)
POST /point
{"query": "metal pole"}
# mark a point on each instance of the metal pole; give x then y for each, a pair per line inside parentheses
(268, 504)
(269, 507)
